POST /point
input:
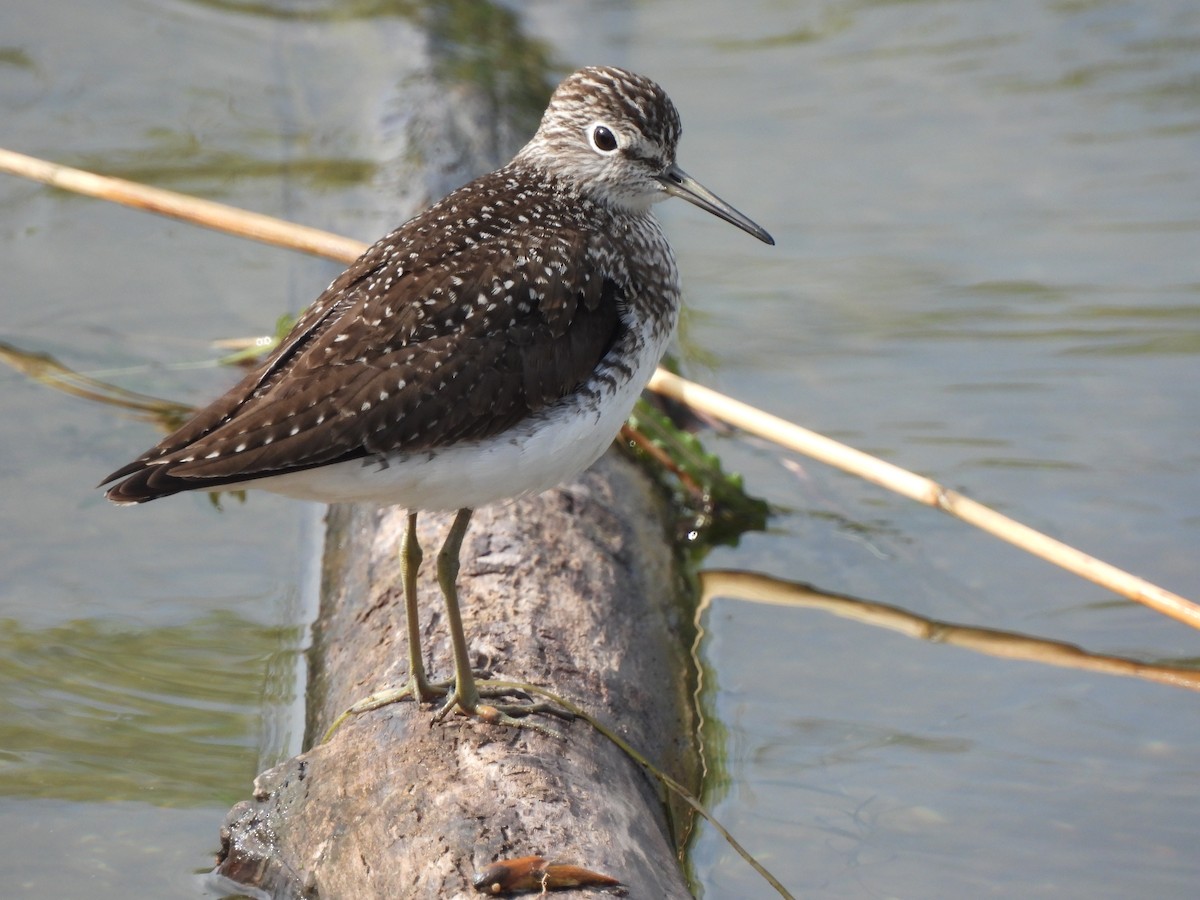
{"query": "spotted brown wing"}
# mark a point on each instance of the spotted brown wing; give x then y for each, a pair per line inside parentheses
(389, 359)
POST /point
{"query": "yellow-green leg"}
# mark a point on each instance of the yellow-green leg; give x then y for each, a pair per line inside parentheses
(410, 564)
(466, 694)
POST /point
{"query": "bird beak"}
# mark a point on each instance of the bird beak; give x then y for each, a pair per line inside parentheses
(679, 183)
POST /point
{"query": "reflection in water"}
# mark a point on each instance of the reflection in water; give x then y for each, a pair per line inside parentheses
(45, 369)
(852, 737)
(481, 50)
(93, 712)
(758, 588)
(989, 257)
(180, 160)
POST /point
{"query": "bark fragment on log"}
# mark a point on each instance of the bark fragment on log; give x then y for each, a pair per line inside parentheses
(575, 590)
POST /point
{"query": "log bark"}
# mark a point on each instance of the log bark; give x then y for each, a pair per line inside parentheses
(574, 589)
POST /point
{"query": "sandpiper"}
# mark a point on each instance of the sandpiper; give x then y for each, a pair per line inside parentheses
(488, 348)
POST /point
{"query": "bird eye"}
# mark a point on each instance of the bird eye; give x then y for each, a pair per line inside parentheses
(602, 139)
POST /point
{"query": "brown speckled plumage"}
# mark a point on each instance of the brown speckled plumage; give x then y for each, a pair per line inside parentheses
(488, 348)
(537, 292)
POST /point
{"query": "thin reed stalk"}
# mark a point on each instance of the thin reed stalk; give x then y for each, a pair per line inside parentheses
(908, 484)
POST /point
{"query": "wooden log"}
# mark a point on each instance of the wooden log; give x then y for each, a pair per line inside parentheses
(575, 590)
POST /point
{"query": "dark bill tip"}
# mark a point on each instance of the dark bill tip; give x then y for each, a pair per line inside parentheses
(679, 183)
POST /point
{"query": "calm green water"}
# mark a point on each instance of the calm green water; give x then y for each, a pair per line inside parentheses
(987, 224)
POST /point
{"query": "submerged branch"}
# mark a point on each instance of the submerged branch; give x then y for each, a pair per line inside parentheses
(758, 588)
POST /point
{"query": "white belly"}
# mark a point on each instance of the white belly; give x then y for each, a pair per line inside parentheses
(538, 453)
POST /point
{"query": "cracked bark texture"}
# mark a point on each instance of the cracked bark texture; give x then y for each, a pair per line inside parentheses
(575, 590)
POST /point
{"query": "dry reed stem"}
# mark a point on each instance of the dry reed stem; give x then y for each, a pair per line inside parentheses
(924, 490)
(217, 216)
(916, 487)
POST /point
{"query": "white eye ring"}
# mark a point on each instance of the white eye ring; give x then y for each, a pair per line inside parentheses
(603, 139)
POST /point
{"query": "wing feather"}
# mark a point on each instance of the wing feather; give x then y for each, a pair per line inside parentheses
(389, 359)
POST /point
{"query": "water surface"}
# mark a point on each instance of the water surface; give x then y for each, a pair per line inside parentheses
(986, 271)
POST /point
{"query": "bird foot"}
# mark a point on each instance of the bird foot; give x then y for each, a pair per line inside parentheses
(512, 714)
(420, 691)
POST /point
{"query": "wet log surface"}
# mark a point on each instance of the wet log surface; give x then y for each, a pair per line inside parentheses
(575, 590)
